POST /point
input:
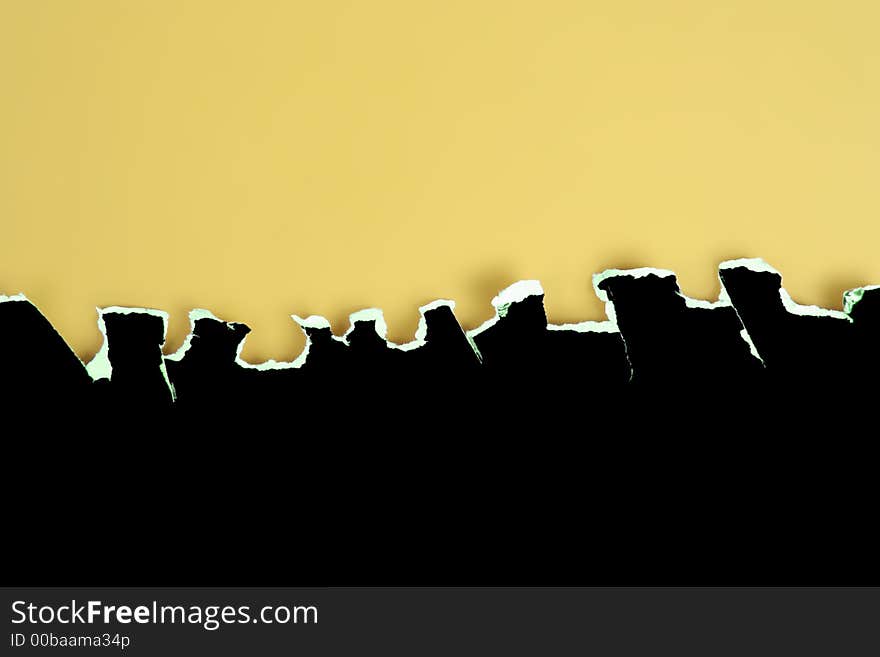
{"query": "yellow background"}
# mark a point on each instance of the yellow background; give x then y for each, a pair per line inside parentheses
(263, 158)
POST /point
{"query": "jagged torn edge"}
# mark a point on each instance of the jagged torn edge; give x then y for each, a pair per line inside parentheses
(514, 293)
(522, 290)
(4, 298)
(195, 315)
(850, 297)
(100, 366)
(373, 315)
(14, 297)
(640, 272)
(376, 316)
(310, 322)
(200, 313)
(519, 291)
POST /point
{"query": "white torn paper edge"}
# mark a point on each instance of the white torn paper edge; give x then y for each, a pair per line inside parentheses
(312, 321)
(101, 368)
(589, 326)
(610, 312)
(200, 313)
(759, 265)
(522, 290)
(421, 335)
(376, 316)
(852, 297)
(515, 293)
(195, 315)
(519, 291)
(14, 297)
(640, 272)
